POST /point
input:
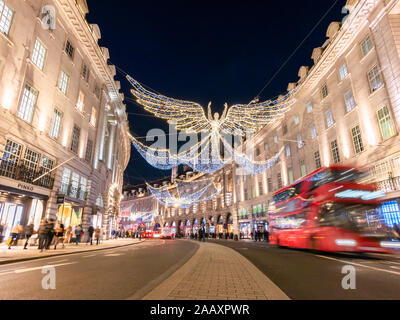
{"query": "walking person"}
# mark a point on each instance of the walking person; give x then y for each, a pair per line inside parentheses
(28, 230)
(1, 232)
(15, 234)
(68, 235)
(59, 236)
(97, 235)
(90, 235)
(50, 233)
(42, 234)
(78, 234)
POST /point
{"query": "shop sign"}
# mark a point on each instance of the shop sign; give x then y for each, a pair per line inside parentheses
(25, 187)
(60, 199)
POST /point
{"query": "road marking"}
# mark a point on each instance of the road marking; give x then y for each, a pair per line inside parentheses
(112, 255)
(392, 262)
(92, 255)
(36, 268)
(393, 267)
(359, 265)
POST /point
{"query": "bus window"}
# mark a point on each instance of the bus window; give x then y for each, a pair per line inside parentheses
(288, 193)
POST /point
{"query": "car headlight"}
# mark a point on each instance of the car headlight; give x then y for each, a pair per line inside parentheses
(346, 242)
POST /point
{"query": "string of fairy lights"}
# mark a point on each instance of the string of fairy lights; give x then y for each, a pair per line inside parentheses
(205, 155)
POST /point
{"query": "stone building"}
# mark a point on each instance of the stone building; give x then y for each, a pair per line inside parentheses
(60, 110)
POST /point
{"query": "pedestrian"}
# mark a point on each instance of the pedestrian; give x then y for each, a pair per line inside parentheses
(78, 234)
(15, 234)
(50, 233)
(90, 235)
(28, 230)
(59, 236)
(266, 235)
(42, 233)
(97, 234)
(68, 235)
(1, 232)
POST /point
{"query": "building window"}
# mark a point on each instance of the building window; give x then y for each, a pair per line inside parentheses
(55, 124)
(39, 54)
(10, 159)
(269, 182)
(385, 123)
(258, 152)
(366, 45)
(357, 139)
(81, 101)
(266, 146)
(31, 160)
(69, 49)
(299, 141)
(290, 176)
(284, 128)
(335, 151)
(76, 133)
(279, 178)
(82, 189)
(275, 139)
(287, 150)
(27, 103)
(349, 99)
(313, 130)
(375, 80)
(309, 107)
(85, 72)
(93, 119)
(6, 15)
(303, 168)
(317, 159)
(89, 148)
(329, 118)
(73, 192)
(324, 91)
(63, 82)
(260, 188)
(343, 71)
(65, 181)
(97, 91)
(246, 196)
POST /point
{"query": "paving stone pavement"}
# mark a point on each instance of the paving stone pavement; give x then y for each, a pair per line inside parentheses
(217, 272)
(18, 253)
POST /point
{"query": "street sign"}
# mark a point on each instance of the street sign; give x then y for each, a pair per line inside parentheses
(60, 199)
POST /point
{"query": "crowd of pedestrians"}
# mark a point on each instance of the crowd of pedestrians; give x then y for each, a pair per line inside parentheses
(50, 234)
(121, 233)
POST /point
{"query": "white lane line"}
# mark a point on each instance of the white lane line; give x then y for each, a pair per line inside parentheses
(393, 267)
(112, 255)
(392, 262)
(36, 268)
(92, 255)
(359, 265)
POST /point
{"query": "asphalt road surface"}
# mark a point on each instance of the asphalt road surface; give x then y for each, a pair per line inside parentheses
(306, 275)
(120, 273)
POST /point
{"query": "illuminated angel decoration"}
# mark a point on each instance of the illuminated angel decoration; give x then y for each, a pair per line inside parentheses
(236, 121)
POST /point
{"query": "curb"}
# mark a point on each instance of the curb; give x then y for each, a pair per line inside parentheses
(64, 254)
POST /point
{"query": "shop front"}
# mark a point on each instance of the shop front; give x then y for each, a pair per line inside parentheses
(245, 230)
(220, 227)
(195, 226)
(70, 214)
(181, 228)
(230, 228)
(188, 228)
(173, 228)
(212, 227)
(20, 206)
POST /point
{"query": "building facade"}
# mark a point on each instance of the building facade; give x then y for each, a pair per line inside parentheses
(63, 126)
(346, 111)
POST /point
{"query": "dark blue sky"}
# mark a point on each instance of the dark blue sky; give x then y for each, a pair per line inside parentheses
(202, 51)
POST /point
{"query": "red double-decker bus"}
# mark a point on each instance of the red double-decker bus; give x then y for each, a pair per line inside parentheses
(328, 210)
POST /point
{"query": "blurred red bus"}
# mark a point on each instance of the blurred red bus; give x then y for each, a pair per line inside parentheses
(327, 210)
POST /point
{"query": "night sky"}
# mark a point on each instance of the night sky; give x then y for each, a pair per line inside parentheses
(202, 51)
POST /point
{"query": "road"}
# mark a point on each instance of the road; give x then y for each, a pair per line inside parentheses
(120, 273)
(306, 275)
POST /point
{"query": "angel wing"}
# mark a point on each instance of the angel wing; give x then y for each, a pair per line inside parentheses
(186, 115)
(243, 118)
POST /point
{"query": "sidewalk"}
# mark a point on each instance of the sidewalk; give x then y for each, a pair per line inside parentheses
(216, 272)
(17, 254)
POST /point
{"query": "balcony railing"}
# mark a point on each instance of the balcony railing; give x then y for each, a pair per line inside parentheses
(22, 173)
